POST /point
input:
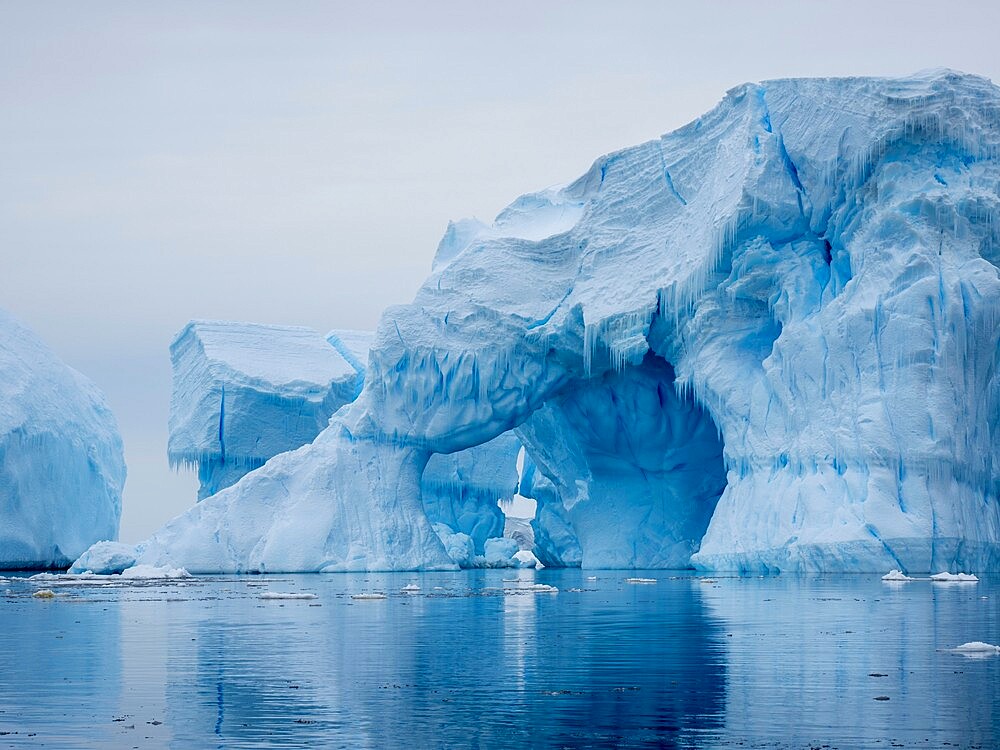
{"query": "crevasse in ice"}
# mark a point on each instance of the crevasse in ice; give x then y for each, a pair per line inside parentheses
(62, 468)
(765, 341)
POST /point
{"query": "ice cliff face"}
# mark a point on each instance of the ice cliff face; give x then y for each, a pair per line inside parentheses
(61, 464)
(768, 338)
(244, 392)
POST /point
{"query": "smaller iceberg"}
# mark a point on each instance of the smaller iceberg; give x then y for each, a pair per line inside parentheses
(897, 576)
(62, 466)
(104, 558)
(977, 648)
(244, 392)
(946, 577)
(279, 595)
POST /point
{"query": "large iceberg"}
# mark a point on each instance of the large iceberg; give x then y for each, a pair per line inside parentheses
(765, 341)
(62, 468)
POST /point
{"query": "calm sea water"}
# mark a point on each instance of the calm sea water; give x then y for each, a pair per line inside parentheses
(474, 660)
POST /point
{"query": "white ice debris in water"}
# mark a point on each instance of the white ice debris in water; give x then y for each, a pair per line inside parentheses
(364, 597)
(290, 595)
(977, 648)
(544, 588)
(410, 588)
(640, 580)
(44, 594)
(70, 579)
(954, 578)
(897, 575)
(137, 574)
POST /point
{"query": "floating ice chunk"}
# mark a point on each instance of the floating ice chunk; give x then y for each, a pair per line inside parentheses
(287, 595)
(364, 597)
(70, 579)
(154, 571)
(977, 648)
(897, 575)
(44, 594)
(410, 588)
(945, 577)
(544, 588)
(105, 558)
(640, 580)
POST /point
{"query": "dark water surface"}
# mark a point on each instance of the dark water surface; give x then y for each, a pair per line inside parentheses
(472, 660)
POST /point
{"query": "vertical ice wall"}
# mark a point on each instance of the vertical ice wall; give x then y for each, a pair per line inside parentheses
(61, 463)
(244, 392)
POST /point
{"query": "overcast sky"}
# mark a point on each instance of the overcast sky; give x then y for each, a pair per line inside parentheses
(297, 162)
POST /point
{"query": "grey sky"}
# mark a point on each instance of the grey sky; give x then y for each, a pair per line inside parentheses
(297, 162)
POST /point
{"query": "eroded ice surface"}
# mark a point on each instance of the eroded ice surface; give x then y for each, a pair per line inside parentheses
(777, 325)
(62, 467)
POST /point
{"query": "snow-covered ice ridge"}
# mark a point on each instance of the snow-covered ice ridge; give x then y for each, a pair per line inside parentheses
(765, 341)
(62, 468)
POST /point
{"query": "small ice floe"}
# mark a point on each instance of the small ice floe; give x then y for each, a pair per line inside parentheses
(543, 588)
(287, 595)
(44, 594)
(72, 579)
(135, 575)
(977, 649)
(897, 576)
(410, 588)
(640, 580)
(591, 578)
(364, 597)
(153, 571)
(944, 577)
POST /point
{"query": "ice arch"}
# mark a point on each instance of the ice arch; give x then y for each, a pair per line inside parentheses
(816, 258)
(636, 470)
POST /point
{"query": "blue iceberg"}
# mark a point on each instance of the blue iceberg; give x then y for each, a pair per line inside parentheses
(62, 468)
(766, 341)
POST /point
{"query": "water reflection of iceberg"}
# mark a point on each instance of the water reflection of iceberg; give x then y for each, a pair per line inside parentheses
(459, 665)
